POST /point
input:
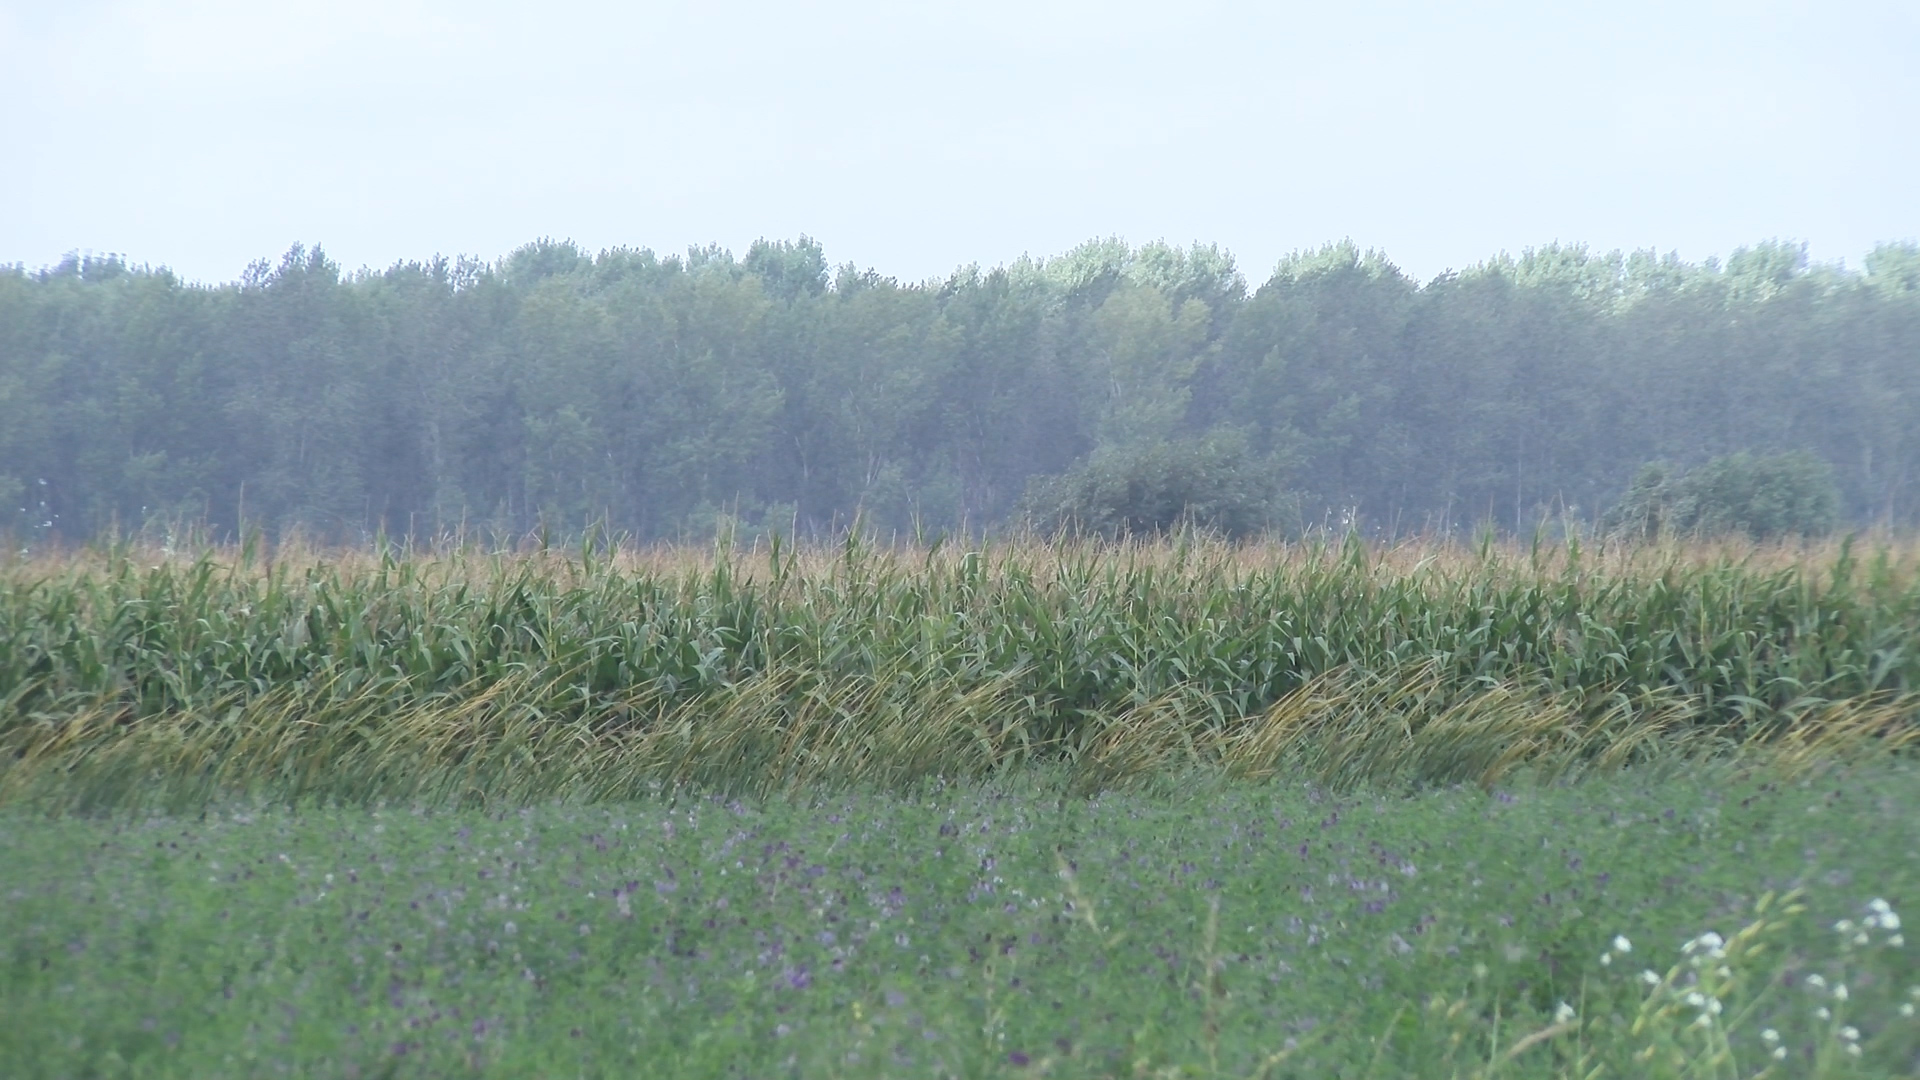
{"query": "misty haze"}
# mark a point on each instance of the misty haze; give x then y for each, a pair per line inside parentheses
(1111, 388)
(1026, 538)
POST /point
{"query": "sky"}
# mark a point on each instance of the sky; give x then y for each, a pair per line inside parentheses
(916, 137)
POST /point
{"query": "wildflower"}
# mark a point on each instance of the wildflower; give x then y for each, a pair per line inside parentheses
(1650, 978)
(1700, 943)
(1770, 1036)
(1823, 1013)
(1840, 991)
(1697, 999)
(1779, 1053)
(1906, 1008)
(1563, 1014)
(1621, 945)
(1817, 981)
(1897, 940)
(1850, 1033)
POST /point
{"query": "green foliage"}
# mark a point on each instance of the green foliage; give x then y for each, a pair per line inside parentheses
(1762, 497)
(133, 676)
(1159, 487)
(980, 931)
(557, 388)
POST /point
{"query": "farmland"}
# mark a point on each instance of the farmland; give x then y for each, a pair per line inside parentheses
(1158, 809)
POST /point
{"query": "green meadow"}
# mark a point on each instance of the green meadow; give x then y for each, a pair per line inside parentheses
(1169, 809)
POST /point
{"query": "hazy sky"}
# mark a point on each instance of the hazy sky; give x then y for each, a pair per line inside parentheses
(914, 137)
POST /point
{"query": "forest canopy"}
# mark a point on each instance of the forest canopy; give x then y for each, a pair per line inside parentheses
(1113, 388)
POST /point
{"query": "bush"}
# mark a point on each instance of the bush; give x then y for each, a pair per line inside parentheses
(1761, 496)
(1213, 482)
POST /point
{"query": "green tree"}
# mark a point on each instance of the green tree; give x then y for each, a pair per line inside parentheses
(1151, 488)
(1760, 496)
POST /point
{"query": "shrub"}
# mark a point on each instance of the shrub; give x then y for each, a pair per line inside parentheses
(1761, 496)
(1213, 482)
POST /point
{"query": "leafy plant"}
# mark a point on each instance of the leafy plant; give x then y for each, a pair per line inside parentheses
(1155, 489)
(131, 675)
(1762, 497)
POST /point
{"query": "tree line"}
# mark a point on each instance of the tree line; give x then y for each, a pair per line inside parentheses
(667, 396)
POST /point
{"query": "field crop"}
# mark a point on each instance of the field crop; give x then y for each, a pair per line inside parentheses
(1209, 929)
(1158, 810)
(130, 674)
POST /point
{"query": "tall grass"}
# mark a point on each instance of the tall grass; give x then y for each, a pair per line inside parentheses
(464, 675)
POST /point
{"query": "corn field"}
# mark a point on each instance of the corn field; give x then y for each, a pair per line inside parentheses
(132, 675)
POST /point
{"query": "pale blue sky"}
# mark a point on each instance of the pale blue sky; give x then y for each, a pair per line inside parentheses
(914, 137)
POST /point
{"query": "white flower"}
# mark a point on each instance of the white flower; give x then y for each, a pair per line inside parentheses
(1823, 1013)
(1850, 1033)
(1889, 921)
(1650, 978)
(1779, 1053)
(1879, 906)
(1697, 999)
(1853, 1049)
(1840, 991)
(1606, 959)
(1844, 926)
(1897, 940)
(1816, 981)
(1906, 1008)
(1770, 1036)
(1563, 1014)
(1713, 1006)
(1621, 945)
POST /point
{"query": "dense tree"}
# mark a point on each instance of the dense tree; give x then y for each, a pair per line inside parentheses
(1121, 387)
(1762, 496)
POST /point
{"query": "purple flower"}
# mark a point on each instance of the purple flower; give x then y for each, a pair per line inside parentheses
(798, 978)
(1017, 1058)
